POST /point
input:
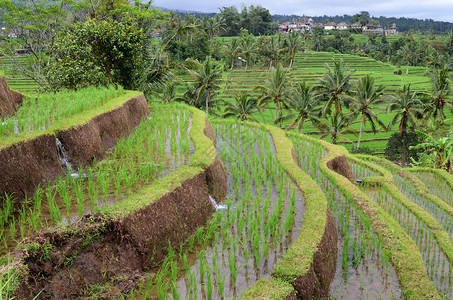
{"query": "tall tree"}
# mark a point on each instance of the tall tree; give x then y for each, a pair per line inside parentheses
(334, 84)
(232, 20)
(207, 80)
(248, 49)
(232, 49)
(99, 53)
(301, 106)
(31, 26)
(407, 53)
(365, 96)
(294, 44)
(408, 108)
(276, 90)
(440, 90)
(273, 46)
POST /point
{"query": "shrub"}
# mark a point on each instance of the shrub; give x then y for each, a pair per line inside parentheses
(394, 149)
(98, 53)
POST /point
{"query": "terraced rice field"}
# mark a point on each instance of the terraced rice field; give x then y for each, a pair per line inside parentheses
(15, 79)
(347, 226)
(309, 66)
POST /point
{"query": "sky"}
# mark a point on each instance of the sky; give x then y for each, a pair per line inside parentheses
(438, 10)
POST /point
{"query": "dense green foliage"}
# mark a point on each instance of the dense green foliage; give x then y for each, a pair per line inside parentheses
(255, 19)
(396, 146)
(98, 53)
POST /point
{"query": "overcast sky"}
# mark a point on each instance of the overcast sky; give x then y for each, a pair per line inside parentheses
(438, 10)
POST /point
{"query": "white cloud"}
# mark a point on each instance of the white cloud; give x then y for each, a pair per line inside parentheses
(438, 10)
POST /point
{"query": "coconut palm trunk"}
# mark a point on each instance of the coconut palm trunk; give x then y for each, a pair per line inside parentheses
(360, 133)
(208, 96)
(337, 104)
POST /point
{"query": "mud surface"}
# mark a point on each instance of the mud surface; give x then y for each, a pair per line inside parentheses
(10, 100)
(340, 165)
(315, 284)
(28, 164)
(92, 140)
(113, 253)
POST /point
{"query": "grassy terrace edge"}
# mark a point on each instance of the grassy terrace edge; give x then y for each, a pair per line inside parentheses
(404, 254)
(448, 178)
(72, 121)
(386, 181)
(299, 259)
(204, 156)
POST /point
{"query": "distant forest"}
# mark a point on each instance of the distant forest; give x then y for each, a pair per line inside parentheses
(403, 24)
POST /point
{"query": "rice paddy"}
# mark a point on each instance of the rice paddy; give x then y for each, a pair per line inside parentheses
(363, 267)
(41, 111)
(263, 214)
(154, 149)
(251, 229)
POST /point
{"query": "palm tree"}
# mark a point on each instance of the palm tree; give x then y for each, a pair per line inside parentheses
(273, 47)
(276, 90)
(439, 93)
(294, 43)
(248, 49)
(364, 96)
(242, 108)
(431, 57)
(407, 53)
(338, 126)
(206, 80)
(333, 84)
(302, 106)
(157, 76)
(232, 49)
(408, 110)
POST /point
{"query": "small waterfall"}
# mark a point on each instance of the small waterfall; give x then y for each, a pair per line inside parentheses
(63, 155)
(217, 206)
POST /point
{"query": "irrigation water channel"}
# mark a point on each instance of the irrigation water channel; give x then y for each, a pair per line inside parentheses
(256, 224)
(363, 270)
(152, 150)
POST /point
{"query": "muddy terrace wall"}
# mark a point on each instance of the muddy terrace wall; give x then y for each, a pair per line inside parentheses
(9, 100)
(113, 250)
(32, 162)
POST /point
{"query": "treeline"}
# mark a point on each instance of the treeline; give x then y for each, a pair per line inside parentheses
(403, 24)
(258, 21)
